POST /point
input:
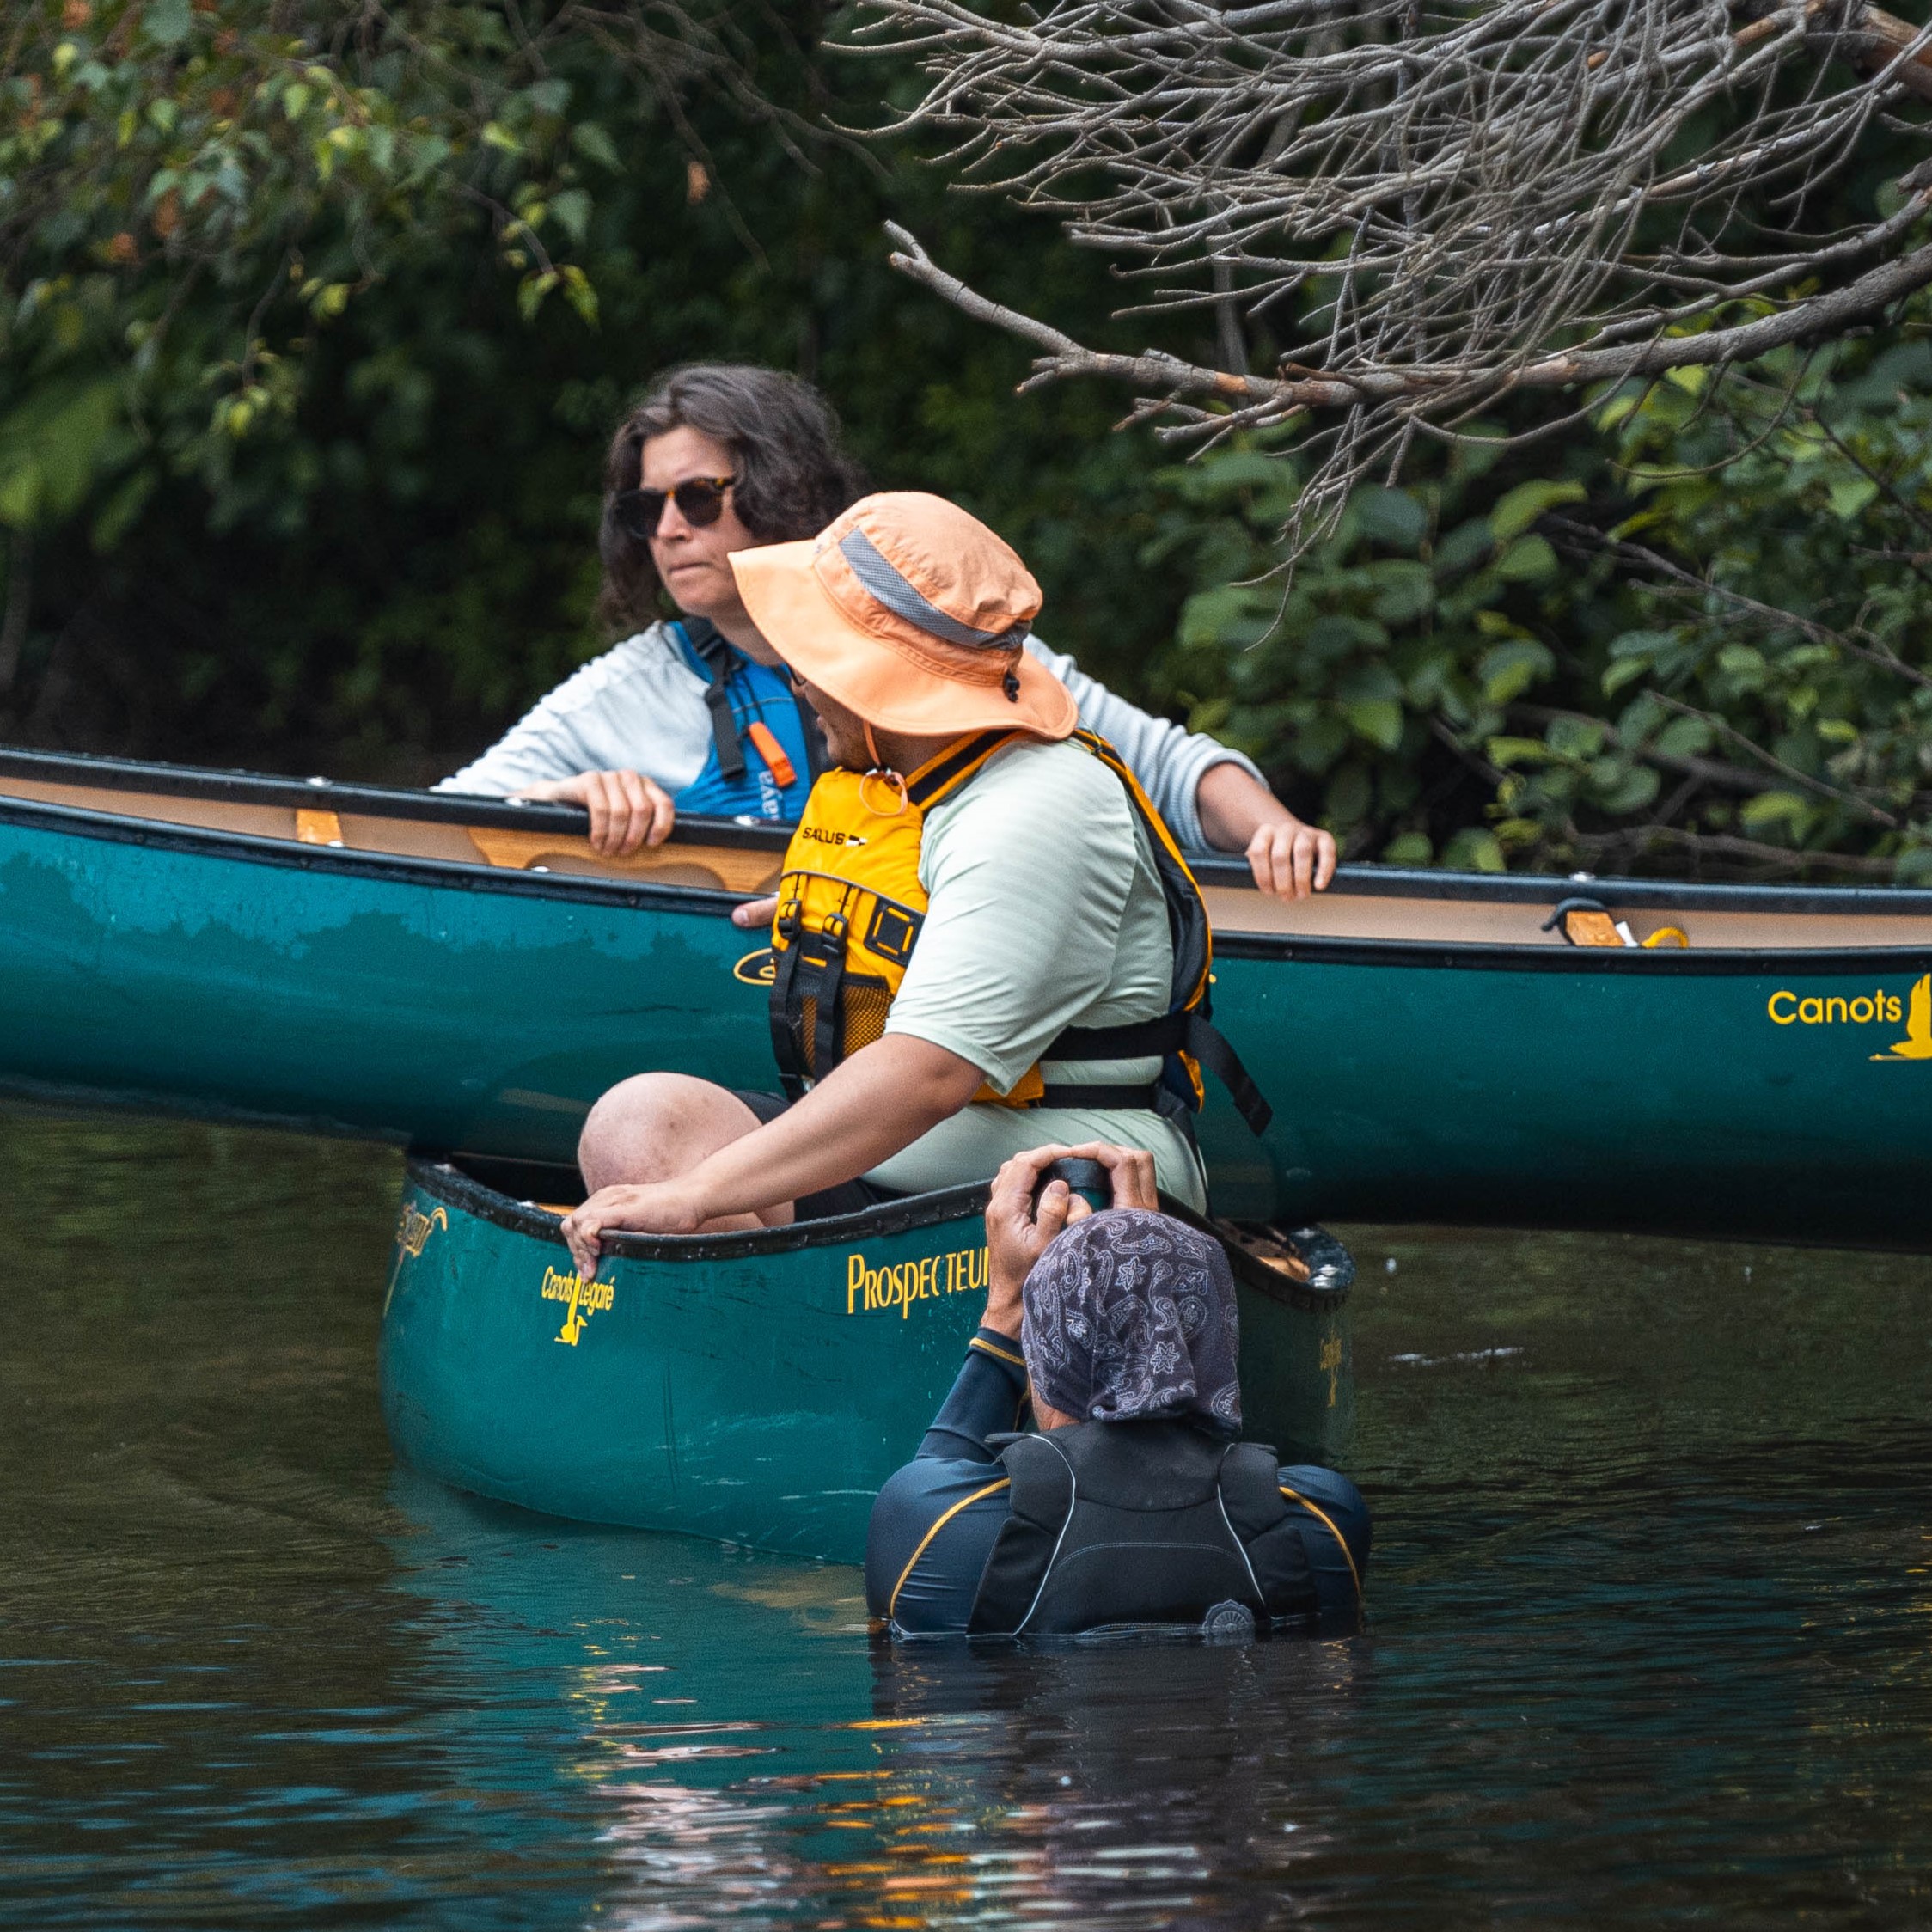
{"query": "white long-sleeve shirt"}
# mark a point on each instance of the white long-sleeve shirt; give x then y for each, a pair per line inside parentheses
(640, 707)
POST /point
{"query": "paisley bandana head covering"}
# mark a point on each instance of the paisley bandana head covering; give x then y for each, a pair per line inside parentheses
(1130, 1318)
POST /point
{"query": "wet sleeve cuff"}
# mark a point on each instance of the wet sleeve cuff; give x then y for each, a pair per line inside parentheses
(986, 1400)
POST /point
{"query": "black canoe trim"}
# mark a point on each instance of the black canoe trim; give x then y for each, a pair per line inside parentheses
(437, 1175)
(458, 808)
(451, 875)
(1332, 1268)
(1731, 962)
(1539, 889)
(444, 874)
(374, 801)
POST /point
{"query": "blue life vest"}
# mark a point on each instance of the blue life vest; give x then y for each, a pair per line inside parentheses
(735, 781)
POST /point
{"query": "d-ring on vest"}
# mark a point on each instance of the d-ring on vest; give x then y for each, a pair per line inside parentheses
(849, 912)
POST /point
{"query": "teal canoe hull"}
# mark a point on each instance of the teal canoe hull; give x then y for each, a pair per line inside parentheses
(426, 1004)
(752, 1389)
(1574, 1089)
(1744, 1088)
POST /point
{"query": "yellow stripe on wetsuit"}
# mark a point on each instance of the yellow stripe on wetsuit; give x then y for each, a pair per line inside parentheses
(998, 1354)
(1328, 1523)
(892, 1602)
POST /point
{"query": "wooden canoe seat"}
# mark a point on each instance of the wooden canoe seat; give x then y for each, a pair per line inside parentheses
(727, 868)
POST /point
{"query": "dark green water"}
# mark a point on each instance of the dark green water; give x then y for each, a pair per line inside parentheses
(1651, 1637)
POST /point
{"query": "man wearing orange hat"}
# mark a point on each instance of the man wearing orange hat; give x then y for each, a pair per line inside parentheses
(985, 937)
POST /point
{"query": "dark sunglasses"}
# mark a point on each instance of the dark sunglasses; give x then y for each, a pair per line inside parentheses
(699, 500)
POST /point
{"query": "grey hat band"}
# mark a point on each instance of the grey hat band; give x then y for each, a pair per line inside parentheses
(880, 576)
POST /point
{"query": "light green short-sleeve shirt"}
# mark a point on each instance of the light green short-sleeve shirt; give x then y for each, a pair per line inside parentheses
(1045, 911)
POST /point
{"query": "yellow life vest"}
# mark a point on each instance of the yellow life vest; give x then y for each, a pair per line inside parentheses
(850, 906)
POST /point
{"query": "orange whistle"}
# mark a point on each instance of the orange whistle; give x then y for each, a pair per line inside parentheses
(771, 750)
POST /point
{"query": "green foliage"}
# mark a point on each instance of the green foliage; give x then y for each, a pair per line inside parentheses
(317, 323)
(314, 321)
(1414, 628)
(1701, 643)
(195, 193)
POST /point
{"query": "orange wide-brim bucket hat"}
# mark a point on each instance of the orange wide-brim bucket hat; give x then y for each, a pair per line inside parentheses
(912, 614)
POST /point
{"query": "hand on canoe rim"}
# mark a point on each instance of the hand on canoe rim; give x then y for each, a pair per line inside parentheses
(1290, 859)
(661, 1208)
(627, 809)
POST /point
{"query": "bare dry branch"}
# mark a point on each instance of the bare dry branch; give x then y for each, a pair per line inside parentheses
(1463, 201)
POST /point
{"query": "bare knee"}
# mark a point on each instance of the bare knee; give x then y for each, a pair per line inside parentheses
(655, 1127)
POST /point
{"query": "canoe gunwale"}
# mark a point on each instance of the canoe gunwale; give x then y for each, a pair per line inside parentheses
(1546, 889)
(466, 808)
(1641, 962)
(436, 1175)
(1328, 1260)
(253, 848)
(448, 875)
(447, 808)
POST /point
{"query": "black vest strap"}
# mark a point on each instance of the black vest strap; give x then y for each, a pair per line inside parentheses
(1138, 1523)
(1209, 1045)
(714, 652)
(1187, 1032)
(785, 1043)
(813, 733)
(1073, 1093)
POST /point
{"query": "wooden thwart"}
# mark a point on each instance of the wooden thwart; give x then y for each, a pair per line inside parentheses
(724, 867)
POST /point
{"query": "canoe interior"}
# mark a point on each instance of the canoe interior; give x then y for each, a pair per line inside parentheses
(758, 1388)
(1365, 905)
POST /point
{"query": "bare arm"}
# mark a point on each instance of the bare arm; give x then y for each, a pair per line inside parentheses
(1288, 859)
(866, 1110)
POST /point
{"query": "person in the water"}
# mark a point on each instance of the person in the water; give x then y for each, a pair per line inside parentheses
(696, 715)
(1135, 1503)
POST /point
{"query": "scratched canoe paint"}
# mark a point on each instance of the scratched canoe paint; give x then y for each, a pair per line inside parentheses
(1648, 1639)
(459, 1005)
(753, 1389)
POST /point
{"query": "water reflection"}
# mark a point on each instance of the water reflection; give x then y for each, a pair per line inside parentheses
(1648, 1637)
(746, 1752)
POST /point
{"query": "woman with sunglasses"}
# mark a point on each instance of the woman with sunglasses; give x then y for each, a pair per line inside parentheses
(698, 715)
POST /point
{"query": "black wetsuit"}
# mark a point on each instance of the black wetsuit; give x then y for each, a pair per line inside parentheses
(935, 1520)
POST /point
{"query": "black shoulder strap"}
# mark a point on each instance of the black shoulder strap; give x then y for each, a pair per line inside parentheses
(1040, 1502)
(714, 652)
(814, 734)
(1186, 1026)
(1258, 1515)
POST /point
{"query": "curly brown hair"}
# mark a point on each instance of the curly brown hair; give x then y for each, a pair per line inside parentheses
(793, 477)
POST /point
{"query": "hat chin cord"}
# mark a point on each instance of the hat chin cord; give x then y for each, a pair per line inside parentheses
(880, 770)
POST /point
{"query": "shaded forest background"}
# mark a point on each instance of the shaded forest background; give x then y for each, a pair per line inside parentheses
(312, 332)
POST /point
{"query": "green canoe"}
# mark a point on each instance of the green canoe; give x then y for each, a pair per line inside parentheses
(756, 1388)
(459, 972)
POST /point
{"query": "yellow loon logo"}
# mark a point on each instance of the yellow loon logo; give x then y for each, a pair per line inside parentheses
(586, 1299)
(413, 1230)
(756, 968)
(1918, 1042)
